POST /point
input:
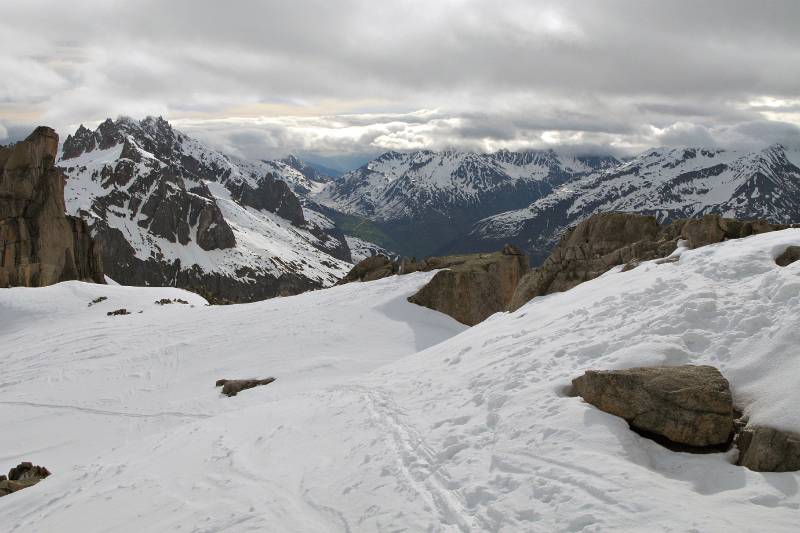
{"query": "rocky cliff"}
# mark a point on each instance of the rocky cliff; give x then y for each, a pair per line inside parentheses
(39, 244)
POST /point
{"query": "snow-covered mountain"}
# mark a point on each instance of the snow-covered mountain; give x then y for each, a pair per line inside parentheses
(667, 183)
(424, 199)
(168, 210)
(390, 416)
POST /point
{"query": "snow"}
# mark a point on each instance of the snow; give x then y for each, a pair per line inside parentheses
(399, 185)
(387, 416)
(674, 183)
(361, 249)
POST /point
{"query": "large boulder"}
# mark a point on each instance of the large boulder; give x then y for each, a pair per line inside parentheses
(39, 244)
(473, 287)
(606, 240)
(687, 405)
(766, 449)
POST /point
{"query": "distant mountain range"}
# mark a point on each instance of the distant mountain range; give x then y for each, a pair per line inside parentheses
(422, 202)
(426, 202)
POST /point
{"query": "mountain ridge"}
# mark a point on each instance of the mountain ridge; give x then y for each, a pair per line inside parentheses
(168, 210)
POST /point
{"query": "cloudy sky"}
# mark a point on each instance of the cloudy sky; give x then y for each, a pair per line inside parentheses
(350, 78)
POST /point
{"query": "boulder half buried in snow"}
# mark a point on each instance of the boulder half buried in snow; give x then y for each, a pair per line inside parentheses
(22, 476)
(687, 405)
(789, 256)
(232, 387)
(475, 288)
(766, 449)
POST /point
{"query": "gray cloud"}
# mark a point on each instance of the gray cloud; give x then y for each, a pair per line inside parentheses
(358, 77)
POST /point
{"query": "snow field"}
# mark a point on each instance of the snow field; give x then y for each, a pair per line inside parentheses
(387, 416)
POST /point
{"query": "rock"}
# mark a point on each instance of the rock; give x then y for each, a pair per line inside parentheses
(39, 244)
(789, 256)
(688, 405)
(473, 287)
(606, 240)
(766, 449)
(22, 476)
(118, 312)
(592, 248)
(232, 387)
(370, 269)
(26, 470)
(273, 195)
(7, 486)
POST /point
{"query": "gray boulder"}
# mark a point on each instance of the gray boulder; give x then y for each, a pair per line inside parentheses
(688, 405)
(766, 449)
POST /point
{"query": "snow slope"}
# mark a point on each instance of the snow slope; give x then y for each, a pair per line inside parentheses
(389, 417)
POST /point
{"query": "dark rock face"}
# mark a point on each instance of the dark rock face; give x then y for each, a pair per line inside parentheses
(232, 387)
(606, 240)
(472, 290)
(271, 195)
(39, 244)
(690, 405)
(22, 476)
(765, 449)
(789, 256)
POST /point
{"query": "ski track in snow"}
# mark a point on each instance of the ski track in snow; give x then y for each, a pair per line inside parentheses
(391, 417)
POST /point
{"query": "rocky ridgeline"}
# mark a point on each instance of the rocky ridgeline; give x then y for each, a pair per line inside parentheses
(606, 240)
(688, 408)
(39, 244)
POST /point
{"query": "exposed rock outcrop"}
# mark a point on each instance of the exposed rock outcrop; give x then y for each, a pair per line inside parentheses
(380, 266)
(789, 256)
(272, 195)
(39, 244)
(606, 240)
(22, 476)
(766, 449)
(232, 387)
(475, 288)
(688, 405)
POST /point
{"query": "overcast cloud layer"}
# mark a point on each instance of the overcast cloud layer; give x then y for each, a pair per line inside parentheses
(353, 77)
